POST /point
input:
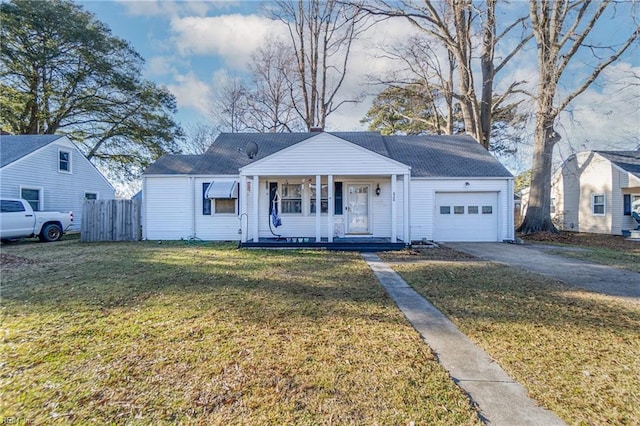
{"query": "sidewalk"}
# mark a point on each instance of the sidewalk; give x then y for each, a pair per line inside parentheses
(500, 400)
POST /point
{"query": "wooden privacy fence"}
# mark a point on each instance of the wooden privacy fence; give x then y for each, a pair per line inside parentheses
(111, 220)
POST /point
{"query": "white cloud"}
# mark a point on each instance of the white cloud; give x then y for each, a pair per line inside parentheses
(233, 37)
(191, 92)
(168, 8)
(160, 66)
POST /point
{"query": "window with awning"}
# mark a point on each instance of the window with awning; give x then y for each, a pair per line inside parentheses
(222, 189)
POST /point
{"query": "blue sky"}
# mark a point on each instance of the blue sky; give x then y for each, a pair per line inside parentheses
(191, 45)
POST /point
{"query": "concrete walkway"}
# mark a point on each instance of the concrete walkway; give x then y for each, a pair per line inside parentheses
(533, 257)
(500, 400)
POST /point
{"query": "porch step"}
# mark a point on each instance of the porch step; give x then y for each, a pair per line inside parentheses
(631, 234)
(336, 246)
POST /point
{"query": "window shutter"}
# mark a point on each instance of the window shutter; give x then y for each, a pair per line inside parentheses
(206, 203)
(627, 204)
(338, 197)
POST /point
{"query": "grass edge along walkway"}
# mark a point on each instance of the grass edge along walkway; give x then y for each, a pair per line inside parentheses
(500, 399)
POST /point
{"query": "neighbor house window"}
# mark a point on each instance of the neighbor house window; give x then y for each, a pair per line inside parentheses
(458, 209)
(32, 195)
(291, 198)
(445, 209)
(64, 161)
(487, 209)
(472, 210)
(90, 196)
(552, 206)
(225, 205)
(597, 204)
(324, 200)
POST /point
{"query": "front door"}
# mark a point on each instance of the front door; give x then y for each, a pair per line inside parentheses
(358, 209)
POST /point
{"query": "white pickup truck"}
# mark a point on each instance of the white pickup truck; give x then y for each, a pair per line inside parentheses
(18, 220)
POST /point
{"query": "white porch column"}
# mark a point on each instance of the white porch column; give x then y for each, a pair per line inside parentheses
(255, 188)
(394, 209)
(406, 221)
(244, 218)
(318, 209)
(332, 204)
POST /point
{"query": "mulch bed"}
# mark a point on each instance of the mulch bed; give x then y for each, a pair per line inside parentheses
(614, 242)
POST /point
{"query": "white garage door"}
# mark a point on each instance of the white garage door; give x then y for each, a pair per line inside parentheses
(466, 216)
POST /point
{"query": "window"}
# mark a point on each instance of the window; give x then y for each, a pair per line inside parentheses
(32, 196)
(324, 200)
(445, 209)
(291, 199)
(458, 209)
(337, 193)
(487, 209)
(206, 203)
(472, 210)
(64, 161)
(552, 206)
(90, 196)
(631, 204)
(597, 204)
(225, 205)
(8, 206)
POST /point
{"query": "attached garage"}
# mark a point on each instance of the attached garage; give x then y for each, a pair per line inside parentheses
(466, 216)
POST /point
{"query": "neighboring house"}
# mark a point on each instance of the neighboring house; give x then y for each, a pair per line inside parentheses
(51, 173)
(324, 186)
(596, 191)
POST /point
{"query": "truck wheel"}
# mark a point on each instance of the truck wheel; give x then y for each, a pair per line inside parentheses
(50, 232)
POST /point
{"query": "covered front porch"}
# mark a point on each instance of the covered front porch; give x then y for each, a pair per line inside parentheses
(324, 210)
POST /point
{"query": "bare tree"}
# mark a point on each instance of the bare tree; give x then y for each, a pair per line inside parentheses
(229, 105)
(269, 102)
(199, 137)
(453, 24)
(561, 30)
(322, 33)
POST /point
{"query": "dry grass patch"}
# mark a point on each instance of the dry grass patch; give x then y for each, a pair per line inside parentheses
(578, 353)
(177, 333)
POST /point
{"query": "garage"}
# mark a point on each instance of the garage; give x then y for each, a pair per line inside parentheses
(466, 216)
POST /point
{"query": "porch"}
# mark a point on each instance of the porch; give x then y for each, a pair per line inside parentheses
(338, 244)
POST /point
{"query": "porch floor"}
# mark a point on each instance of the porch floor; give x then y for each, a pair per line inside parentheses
(366, 244)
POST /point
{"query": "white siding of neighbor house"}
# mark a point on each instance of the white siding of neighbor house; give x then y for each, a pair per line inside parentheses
(422, 203)
(580, 177)
(167, 207)
(60, 191)
(324, 154)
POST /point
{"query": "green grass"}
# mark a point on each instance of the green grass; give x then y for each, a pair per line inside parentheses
(620, 259)
(576, 352)
(147, 333)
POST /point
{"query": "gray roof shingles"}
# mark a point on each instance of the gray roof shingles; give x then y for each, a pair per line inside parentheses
(626, 160)
(428, 156)
(14, 147)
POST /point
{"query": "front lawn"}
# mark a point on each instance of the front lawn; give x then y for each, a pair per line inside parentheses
(149, 333)
(578, 353)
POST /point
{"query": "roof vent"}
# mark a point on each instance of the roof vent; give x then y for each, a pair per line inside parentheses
(316, 130)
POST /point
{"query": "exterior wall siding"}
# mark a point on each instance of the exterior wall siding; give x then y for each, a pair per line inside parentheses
(596, 177)
(324, 154)
(60, 191)
(168, 208)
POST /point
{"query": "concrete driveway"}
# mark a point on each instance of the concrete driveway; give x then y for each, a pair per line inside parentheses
(532, 257)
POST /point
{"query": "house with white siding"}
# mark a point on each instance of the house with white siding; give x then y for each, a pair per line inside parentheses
(597, 192)
(51, 173)
(325, 187)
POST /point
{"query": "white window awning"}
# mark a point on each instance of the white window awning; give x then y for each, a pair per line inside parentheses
(222, 189)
